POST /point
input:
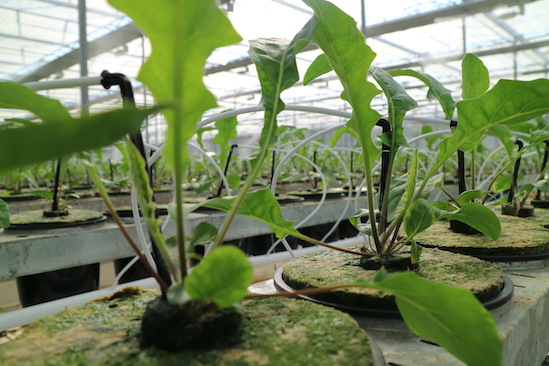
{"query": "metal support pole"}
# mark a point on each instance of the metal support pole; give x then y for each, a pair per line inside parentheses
(83, 34)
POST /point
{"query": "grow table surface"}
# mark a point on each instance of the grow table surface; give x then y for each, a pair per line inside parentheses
(24, 252)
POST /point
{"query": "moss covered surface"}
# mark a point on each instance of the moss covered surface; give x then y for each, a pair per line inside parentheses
(275, 332)
(36, 217)
(519, 236)
(326, 268)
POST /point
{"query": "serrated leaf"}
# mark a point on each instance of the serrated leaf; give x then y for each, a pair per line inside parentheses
(342, 43)
(399, 103)
(479, 217)
(183, 34)
(475, 77)
(418, 217)
(260, 205)
(222, 277)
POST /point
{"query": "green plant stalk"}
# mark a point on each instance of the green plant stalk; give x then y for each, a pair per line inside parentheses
(103, 192)
(385, 198)
(473, 169)
(257, 167)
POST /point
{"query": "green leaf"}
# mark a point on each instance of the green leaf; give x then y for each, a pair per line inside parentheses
(140, 180)
(355, 219)
(4, 214)
(17, 96)
(234, 180)
(429, 140)
(508, 102)
(226, 131)
(542, 185)
(43, 193)
(343, 45)
(277, 71)
(418, 217)
(450, 317)
(171, 241)
(410, 182)
(222, 277)
(475, 77)
(502, 183)
(436, 90)
(477, 216)
(183, 34)
(260, 205)
(399, 104)
(469, 196)
(203, 233)
(318, 67)
(61, 137)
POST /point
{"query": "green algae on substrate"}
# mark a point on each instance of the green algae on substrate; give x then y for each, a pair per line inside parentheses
(519, 236)
(329, 268)
(276, 331)
(37, 217)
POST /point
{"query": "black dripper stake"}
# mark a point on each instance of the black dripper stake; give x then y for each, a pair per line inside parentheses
(56, 184)
(544, 164)
(385, 152)
(128, 100)
(515, 174)
(220, 187)
(273, 162)
(315, 179)
(462, 185)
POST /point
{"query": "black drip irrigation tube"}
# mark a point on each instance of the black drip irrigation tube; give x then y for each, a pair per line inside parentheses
(108, 80)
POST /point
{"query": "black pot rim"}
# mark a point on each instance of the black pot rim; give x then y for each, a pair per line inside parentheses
(56, 225)
(499, 299)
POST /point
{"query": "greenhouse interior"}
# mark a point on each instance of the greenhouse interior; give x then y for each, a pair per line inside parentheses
(274, 182)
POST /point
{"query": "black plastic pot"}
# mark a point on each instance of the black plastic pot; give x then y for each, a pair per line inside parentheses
(48, 286)
(540, 204)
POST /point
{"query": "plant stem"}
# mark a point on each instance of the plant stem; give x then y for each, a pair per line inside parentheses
(473, 154)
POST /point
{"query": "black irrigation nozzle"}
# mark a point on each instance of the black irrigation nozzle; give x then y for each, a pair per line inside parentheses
(462, 185)
(515, 173)
(128, 100)
(220, 187)
(273, 162)
(385, 151)
(315, 179)
(544, 164)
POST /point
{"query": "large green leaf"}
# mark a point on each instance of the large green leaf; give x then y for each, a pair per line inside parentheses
(17, 96)
(48, 141)
(418, 217)
(436, 90)
(260, 205)
(350, 57)
(183, 34)
(222, 277)
(277, 70)
(508, 102)
(451, 317)
(477, 216)
(399, 103)
(203, 233)
(475, 77)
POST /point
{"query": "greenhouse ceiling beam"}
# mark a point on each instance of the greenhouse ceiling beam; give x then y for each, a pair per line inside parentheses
(75, 7)
(101, 45)
(479, 53)
(516, 35)
(375, 30)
